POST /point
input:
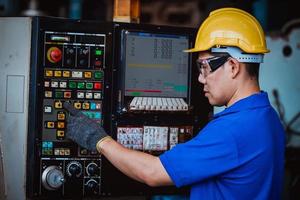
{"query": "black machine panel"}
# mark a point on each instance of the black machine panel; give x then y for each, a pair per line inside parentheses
(132, 79)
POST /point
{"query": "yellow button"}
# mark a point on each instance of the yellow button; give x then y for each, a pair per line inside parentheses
(60, 133)
(60, 124)
(61, 116)
(87, 74)
(77, 105)
(61, 152)
(49, 73)
(50, 124)
(48, 94)
(86, 106)
(58, 104)
(57, 73)
(67, 152)
(66, 73)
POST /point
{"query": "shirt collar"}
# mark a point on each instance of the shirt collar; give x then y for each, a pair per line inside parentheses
(253, 101)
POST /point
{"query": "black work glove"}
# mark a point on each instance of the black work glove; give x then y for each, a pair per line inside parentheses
(82, 129)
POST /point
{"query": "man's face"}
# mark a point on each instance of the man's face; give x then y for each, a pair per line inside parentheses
(217, 82)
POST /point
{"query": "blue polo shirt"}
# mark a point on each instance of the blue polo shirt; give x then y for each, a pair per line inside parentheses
(238, 155)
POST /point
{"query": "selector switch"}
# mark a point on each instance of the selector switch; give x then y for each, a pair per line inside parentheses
(74, 169)
(92, 186)
(92, 169)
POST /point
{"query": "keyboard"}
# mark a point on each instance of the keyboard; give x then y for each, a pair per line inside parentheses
(158, 104)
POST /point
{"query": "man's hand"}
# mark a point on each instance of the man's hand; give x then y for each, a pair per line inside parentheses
(82, 129)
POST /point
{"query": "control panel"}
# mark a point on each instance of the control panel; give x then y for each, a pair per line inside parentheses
(72, 71)
(131, 79)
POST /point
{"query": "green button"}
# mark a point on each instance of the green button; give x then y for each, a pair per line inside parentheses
(98, 75)
(98, 52)
(72, 84)
(80, 85)
(59, 94)
(89, 85)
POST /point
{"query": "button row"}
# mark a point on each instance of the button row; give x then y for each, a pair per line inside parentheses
(74, 74)
(78, 105)
(93, 115)
(62, 151)
(68, 95)
(73, 85)
(53, 125)
(86, 152)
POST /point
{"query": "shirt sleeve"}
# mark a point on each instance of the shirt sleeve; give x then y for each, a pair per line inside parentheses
(212, 152)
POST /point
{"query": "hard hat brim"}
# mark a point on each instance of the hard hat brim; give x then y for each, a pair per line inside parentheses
(191, 50)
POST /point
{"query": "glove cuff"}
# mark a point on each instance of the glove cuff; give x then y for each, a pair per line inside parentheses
(98, 143)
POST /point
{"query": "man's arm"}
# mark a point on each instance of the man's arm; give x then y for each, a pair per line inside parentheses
(137, 165)
(140, 166)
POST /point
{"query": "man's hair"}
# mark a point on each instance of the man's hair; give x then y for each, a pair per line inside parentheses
(253, 69)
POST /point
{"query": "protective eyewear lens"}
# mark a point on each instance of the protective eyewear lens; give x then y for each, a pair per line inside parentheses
(207, 66)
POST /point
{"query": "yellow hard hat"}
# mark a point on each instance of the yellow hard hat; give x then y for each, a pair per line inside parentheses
(231, 27)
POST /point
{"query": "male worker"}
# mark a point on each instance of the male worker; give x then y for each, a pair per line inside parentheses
(240, 153)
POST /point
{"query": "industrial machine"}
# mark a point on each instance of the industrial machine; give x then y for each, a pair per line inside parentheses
(132, 79)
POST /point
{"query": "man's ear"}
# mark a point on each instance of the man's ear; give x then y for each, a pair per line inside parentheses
(235, 67)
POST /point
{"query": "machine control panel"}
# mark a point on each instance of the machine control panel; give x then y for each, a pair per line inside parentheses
(73, 71)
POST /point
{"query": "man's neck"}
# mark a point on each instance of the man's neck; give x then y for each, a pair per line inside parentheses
(247, 88)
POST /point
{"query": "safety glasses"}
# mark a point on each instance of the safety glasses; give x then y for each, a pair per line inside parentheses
(207, 66)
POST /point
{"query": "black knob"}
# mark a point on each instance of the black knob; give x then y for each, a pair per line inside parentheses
(74, 169)
(92, 169)
(92, 186)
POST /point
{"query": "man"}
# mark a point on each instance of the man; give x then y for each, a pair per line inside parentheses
(240, 153)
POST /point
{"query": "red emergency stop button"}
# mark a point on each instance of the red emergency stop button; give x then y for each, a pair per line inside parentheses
(54, 54)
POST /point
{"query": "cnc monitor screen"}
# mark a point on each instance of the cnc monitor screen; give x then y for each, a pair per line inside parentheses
(155, 64)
